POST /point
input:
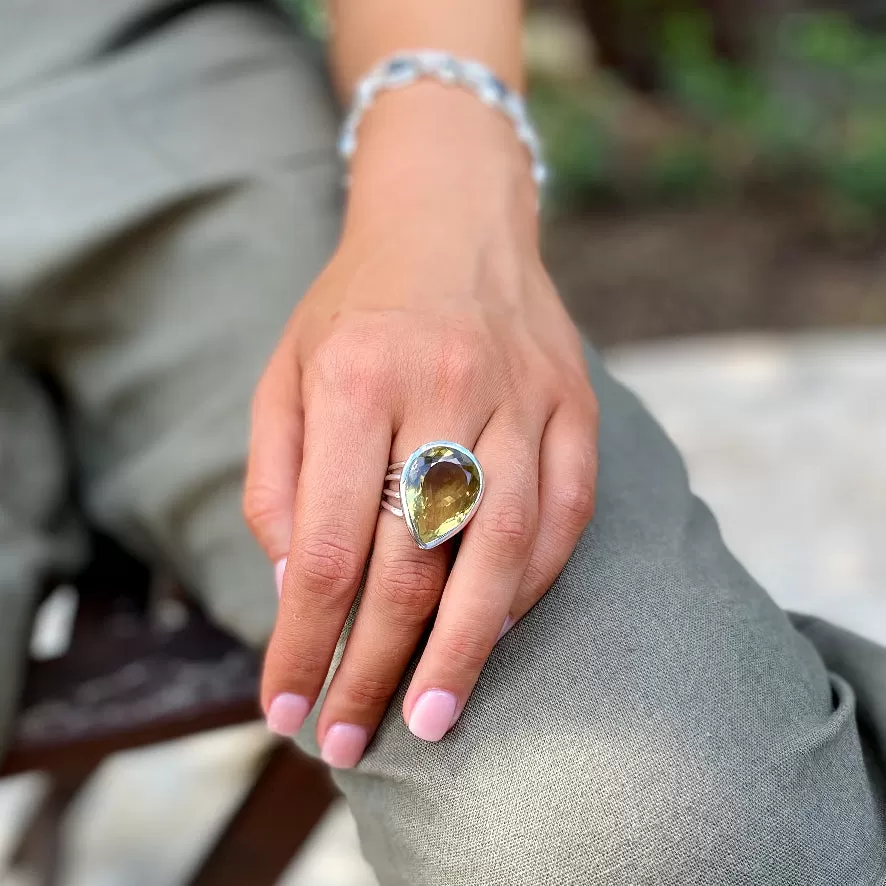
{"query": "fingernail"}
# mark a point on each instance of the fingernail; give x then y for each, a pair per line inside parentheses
(287, 713)
(433, 714)
(509, 623)
(279, 569)
(344, 745)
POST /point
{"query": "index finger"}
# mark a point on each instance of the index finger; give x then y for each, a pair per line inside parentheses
(345, 458)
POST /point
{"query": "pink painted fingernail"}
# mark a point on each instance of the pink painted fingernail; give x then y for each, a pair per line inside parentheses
(287, 713)
(344, 745)
(433, 714)
(509, 623)
(279, 569)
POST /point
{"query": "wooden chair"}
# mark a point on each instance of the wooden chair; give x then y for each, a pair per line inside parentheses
(125, 682)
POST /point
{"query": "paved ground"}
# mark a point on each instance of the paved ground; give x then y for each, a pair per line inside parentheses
(149, 816)
(784, 438)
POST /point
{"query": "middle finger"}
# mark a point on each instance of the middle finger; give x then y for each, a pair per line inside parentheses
(403, 588)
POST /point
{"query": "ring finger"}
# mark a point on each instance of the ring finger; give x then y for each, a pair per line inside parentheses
(484, 579)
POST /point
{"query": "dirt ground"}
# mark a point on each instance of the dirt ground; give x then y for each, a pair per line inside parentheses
(649, 274)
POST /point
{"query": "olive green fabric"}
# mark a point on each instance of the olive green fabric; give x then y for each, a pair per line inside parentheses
(656, 720)
(164, 207)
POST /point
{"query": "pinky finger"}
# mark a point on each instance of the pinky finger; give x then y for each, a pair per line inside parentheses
(567, 486)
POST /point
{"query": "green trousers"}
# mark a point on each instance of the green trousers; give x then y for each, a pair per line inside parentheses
(168, 191)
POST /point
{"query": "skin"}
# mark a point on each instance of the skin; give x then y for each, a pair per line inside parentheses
(435, 319)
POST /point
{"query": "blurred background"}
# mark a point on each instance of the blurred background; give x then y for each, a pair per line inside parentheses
(716, 221)
(717, 164)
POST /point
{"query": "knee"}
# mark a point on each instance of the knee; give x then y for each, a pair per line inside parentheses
(610, 809)
(545, 803)
(535, 804)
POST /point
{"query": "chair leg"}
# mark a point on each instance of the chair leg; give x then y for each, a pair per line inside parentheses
(39, 849)
(286, 802)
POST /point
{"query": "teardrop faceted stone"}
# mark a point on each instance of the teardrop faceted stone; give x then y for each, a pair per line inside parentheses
(440, 489)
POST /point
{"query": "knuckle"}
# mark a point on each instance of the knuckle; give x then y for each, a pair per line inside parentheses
(541, 382)
(593, 403)
(261, 506)
(574, 502)
(350, 364)
(294, 659)
(509, 525)
(457, 369)
(465, 651)
(408, 589)
(366, 692)
(537, 578)
(593, 413)
(327, 568)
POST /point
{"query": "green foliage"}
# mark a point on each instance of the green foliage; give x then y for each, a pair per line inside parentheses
(311, 14)
(700, 81)
(857, 174)
(578, 147)
(828, 40)
(681, 170)
(813, 115)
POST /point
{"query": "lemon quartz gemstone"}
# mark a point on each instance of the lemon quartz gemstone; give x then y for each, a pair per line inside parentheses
(440, 490)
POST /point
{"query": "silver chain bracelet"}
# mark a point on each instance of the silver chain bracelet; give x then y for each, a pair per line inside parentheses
(404, 68)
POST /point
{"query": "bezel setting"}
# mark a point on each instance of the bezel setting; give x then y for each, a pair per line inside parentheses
(401, 495)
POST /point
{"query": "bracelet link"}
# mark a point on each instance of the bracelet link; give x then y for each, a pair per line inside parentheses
(404, 68)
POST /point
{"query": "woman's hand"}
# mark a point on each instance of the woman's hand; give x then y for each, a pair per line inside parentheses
(435, 320)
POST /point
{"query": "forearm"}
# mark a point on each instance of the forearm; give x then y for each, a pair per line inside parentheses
(365, 31)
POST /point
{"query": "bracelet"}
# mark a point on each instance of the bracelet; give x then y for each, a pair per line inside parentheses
(407, 67)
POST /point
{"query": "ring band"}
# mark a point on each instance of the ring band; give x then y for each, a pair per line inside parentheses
(437, 490)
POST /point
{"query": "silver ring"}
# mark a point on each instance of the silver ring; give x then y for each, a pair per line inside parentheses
(437, 490)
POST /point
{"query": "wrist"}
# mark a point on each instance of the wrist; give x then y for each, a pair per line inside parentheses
(431, 148)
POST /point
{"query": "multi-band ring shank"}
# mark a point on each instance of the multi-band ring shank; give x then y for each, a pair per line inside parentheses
(436, 491)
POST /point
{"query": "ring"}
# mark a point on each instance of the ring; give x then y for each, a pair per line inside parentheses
(438, 489)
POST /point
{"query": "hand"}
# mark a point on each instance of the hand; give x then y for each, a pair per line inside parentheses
(435, 320)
